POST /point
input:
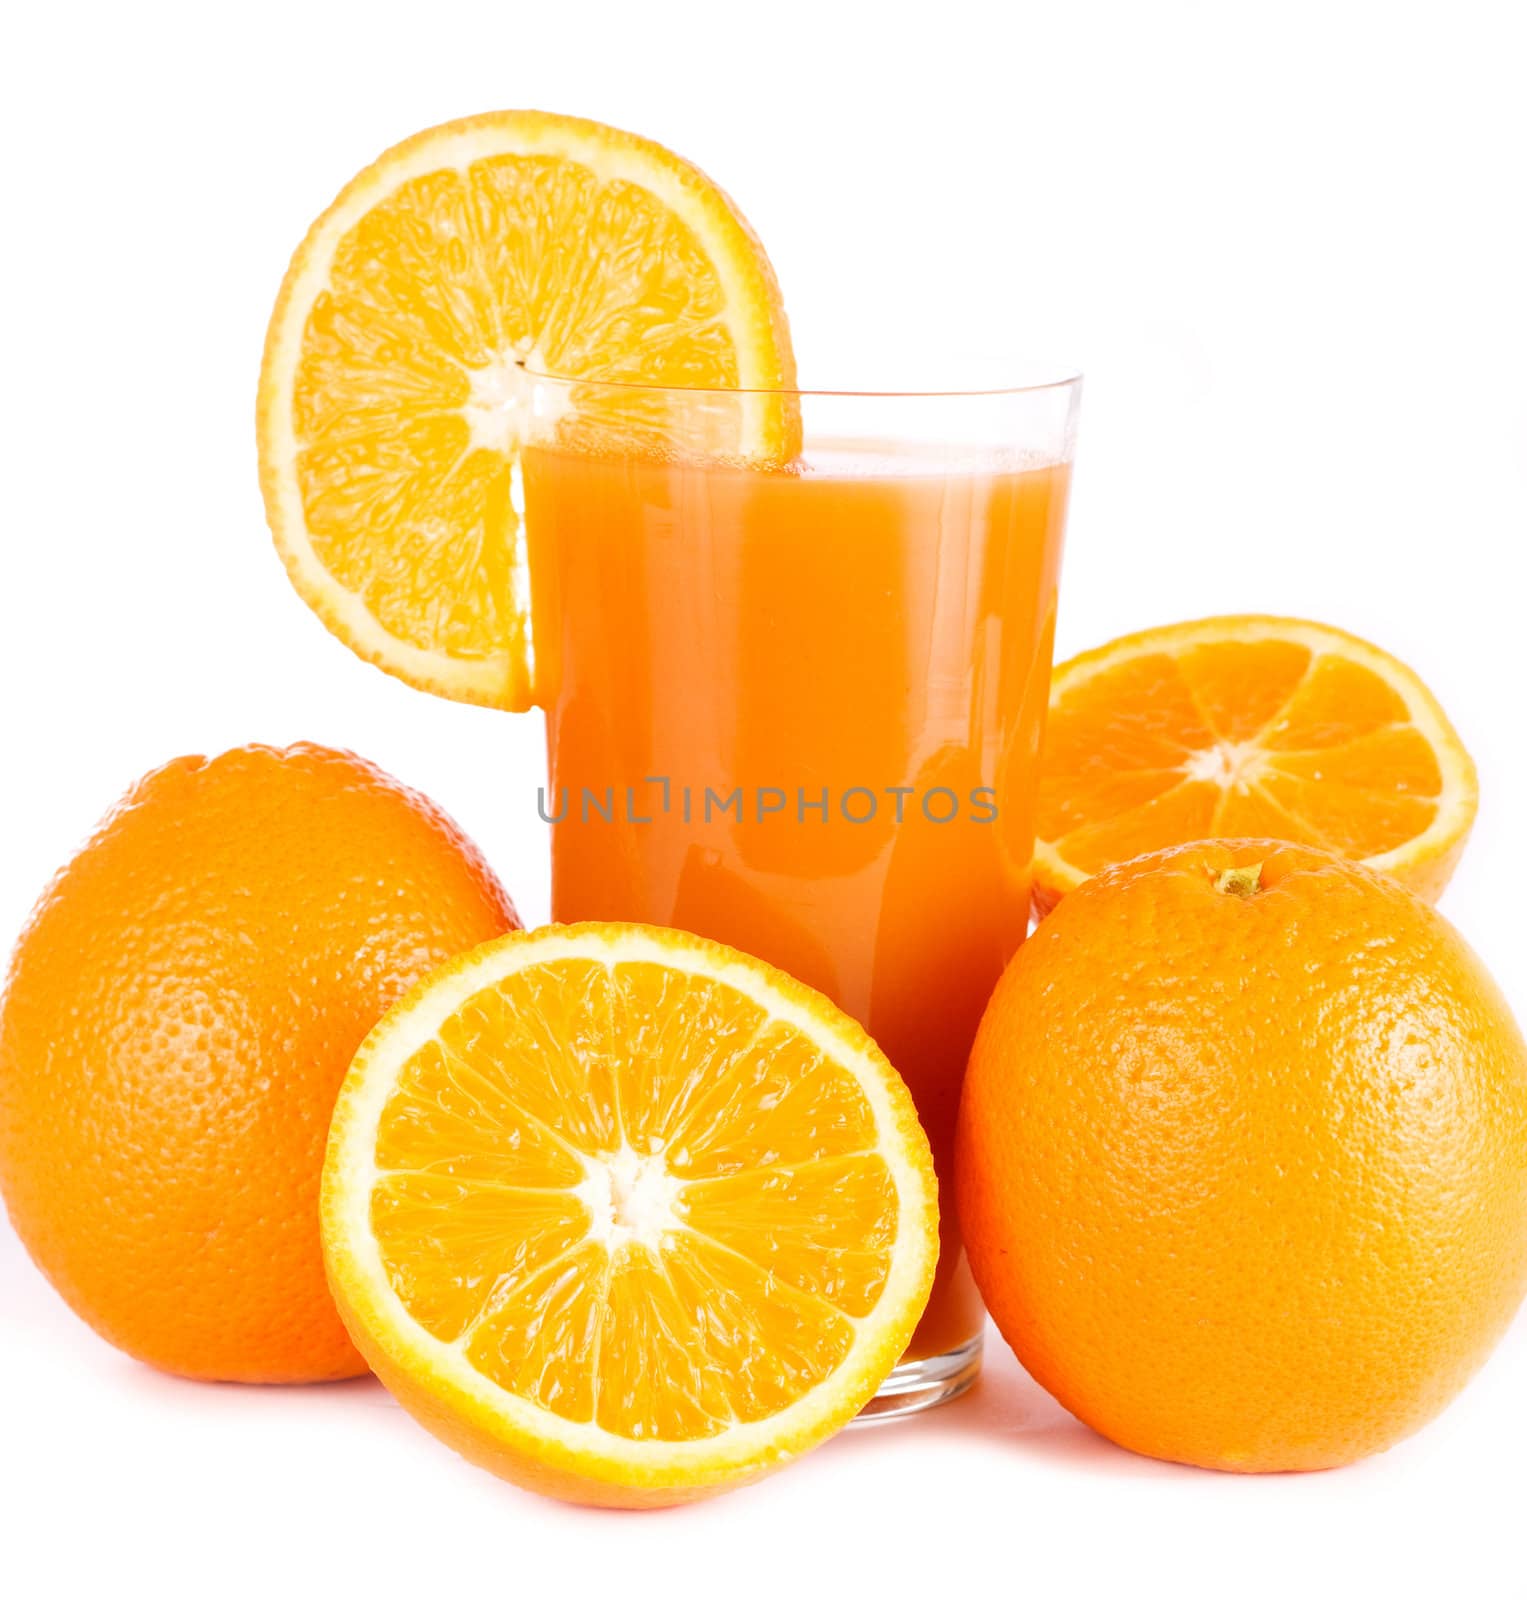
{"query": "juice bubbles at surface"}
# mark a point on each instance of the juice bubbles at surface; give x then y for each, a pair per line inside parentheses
(799, 711)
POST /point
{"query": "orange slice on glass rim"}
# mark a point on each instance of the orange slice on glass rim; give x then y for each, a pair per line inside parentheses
(395, 390)
(625, 1216)
(1248, 726)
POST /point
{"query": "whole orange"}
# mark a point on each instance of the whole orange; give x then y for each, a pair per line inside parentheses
(180, 1010)
(1242, 1157)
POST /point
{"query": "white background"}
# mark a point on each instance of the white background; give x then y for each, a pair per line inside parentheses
(1284, 242)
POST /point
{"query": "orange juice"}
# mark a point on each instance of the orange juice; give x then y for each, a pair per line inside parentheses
(799, 711)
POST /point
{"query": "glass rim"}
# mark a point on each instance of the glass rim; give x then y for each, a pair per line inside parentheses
(1067, 377)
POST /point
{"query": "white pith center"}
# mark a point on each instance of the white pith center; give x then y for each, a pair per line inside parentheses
(1228, 765)
(632, 1198)
(504, 401)
(498, 404)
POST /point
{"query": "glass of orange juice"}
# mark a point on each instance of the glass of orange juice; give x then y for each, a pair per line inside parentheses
(794, 653)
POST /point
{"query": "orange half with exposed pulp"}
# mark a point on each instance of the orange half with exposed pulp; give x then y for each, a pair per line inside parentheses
(625, 1216)
(1249, 727)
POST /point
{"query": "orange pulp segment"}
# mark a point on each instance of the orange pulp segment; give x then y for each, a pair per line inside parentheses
(1248, 726)
(624, 1215)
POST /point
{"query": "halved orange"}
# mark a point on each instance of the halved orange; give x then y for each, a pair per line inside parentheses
(395, 396)
(625, 1216)
(1248, 726)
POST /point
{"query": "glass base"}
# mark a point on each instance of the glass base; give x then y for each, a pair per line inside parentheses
(915, 1386)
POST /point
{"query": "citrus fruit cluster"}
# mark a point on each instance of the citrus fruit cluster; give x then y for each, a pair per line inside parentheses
(627, 1216)
(623, 1214)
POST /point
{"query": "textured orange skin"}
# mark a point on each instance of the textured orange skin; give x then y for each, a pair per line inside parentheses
(1244, 1181)
(180, 1011)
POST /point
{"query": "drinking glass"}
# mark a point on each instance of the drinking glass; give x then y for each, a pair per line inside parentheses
(794, 652)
